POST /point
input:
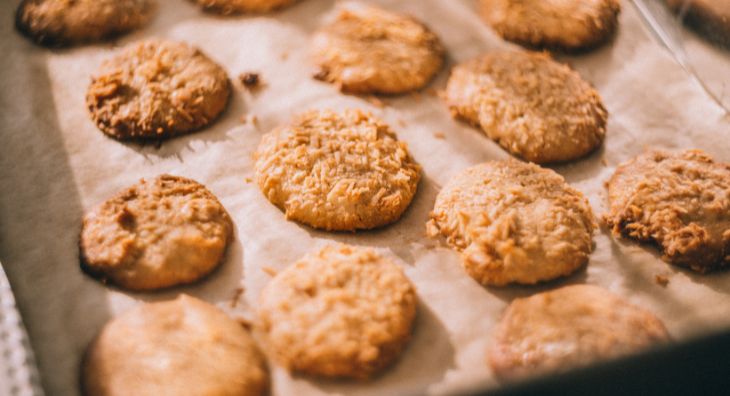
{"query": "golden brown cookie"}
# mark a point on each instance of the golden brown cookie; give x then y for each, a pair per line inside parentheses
(229, 7)
(514, 222)
(157, 233)
(337, 171)
(565, 24)
(534, 107)
(157, 89)
(180, 347)
(678, 200)
(569, 327)
(65, 22)
(709, 17)
(370, 50)
(340, 312)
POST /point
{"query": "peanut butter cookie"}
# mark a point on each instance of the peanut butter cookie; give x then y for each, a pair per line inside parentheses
(709, 17)
(342, 311)
(230, 7)
(678, 200)
(155, 234)
(65, 22)
(337, 172)
(180, 347)
(565, 24)
(514, 222)
(569, 327)
(157, 89)
(370, 50)
(534, 107)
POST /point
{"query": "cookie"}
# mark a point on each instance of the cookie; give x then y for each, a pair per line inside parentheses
(157, 233)
(368, 50)
(678, 200)
(339, 312)
(514, 222)
(709, 17)
(337, 171)
(180, 347)
(532, 106)
(570, 25)
(64, 22)
(567, 328)
(229, 7)
(157, 89)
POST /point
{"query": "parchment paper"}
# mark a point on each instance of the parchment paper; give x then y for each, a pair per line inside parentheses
(55, 164)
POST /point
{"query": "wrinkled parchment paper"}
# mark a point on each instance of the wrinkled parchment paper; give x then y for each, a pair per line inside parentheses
(55, 164)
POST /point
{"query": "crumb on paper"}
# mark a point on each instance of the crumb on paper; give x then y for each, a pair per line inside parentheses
(375, 101)
(250, 119)
(661, 280)
(320, 74)
(269, 270)
(236, 296)
(439, 135)
(248, 180)
(245, 323)
(401, 123)
(604, 162)
(284, 56)
(250, 80)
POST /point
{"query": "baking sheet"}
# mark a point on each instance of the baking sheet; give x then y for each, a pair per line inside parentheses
(55, 164)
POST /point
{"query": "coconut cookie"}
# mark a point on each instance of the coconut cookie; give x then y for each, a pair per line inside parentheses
(569, 327)
(180, 347)
(514, 222)
(678, 200)
(370, 50)
(228, 7)
(157, 89)
(337, 171)
(709, 17)
(532, 106)
(340, 312)
(157, 233)
(65, 22)
(565, 24)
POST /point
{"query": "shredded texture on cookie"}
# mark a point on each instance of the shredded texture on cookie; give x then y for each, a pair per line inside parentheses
(342, 311)
(678, 200)
(569, 327)
(564, 24)
(514, 222)
(157, 233)
(336, 171)
(371, 50)
(156, 89)
(532, 106)
(64, 22)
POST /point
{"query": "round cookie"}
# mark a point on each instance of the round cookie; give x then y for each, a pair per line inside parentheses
(569, 327)
(370, 50)
(565, 24)
(155, 234)
(709, 17)
(64, 22)
(678, 200)
(228, 7)
(337, 172)
(340, 312)
(157, 89)
(534, 107)
(180, 347)
(514, 222)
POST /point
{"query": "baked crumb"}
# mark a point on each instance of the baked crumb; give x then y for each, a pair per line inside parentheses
(661, 280)
(236, 296)
(250, 80)
(375, 101)
(439, 135)
(269, 270)
(248, 180)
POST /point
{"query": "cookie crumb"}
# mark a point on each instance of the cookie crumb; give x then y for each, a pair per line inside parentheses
(401, 123)
(250, 119)
(248, 180)
(439, 135)
(284, 56)
(604, 162)
(245, 323)
(236, 296)
(661, 280)
(269, 270)
(375, 101)
(250, 80)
